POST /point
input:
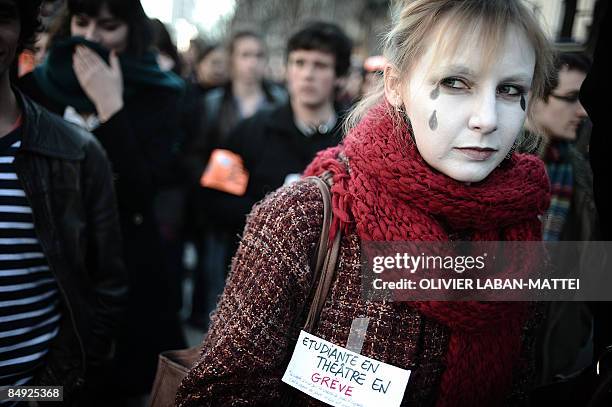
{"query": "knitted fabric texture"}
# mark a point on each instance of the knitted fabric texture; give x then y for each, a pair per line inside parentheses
(390, 194)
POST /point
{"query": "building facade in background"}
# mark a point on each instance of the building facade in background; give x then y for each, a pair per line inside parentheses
(552, 15)
(567, 22)
(366, 20)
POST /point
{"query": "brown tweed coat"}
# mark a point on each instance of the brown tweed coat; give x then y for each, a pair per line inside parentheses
(251, 339)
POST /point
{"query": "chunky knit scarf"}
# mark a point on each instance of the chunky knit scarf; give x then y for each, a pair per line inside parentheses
(389, 193)
(57, 79)
(561, 174)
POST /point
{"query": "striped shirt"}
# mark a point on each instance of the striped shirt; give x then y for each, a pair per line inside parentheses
(29, 294)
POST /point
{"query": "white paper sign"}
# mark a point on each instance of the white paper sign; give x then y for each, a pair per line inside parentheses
(341, 378)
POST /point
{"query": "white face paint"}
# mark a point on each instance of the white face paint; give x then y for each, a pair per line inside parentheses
(465, 119)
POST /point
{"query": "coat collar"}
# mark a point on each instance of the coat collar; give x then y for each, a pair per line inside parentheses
(282, 118)
(48, 134)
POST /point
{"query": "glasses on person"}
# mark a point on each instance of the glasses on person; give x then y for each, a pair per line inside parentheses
(573, 98)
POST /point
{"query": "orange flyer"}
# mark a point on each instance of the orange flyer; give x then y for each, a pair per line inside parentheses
(225, 172)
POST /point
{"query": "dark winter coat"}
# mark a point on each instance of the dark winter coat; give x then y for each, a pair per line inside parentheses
(68, 182)
(140, 141)
(271, 147)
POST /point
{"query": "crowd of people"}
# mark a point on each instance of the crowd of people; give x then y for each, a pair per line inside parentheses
(117, 151)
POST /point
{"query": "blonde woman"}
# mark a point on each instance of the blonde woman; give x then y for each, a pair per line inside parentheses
(428, 157)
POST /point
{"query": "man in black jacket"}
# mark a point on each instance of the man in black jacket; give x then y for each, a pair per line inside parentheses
(62, 277)
(277, 144)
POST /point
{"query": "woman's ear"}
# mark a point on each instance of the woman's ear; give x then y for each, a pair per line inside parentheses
(392, 86)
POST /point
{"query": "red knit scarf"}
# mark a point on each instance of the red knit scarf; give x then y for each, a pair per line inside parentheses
(391, 194)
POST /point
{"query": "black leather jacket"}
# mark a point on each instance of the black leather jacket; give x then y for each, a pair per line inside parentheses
(69, 185)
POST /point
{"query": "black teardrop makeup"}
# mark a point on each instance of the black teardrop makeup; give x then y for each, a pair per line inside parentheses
(433, 121)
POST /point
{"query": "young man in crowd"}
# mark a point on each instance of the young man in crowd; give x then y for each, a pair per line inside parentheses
(62, 280)
(564, 343)
(557, 118)
(277, 144)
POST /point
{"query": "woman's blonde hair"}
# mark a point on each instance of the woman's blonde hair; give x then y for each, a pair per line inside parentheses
(415, 22)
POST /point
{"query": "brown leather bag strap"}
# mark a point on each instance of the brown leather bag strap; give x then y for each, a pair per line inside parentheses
(323, 286)
(327, 256)
(324, 266)
(321, 250)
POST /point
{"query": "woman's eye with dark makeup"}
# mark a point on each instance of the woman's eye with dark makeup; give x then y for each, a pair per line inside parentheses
(454, 83)
(510, 90)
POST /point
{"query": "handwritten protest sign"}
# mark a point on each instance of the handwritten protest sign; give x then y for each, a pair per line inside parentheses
(341, 378)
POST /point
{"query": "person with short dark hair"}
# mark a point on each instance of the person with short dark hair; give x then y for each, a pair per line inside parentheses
(327, 38)
(62, 277)
(101, 74)
(565, 62)
(565, 340)
(557, 117)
